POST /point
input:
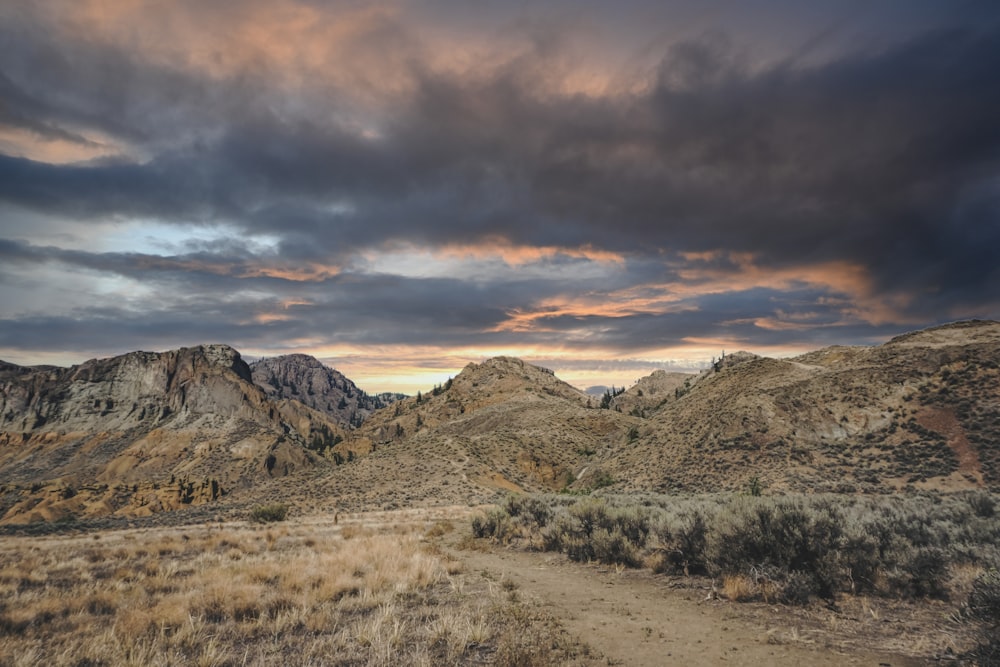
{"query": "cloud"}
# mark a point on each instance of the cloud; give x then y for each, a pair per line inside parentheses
(501, 178)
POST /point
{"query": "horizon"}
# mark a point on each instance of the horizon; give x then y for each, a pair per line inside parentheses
(423, 378)
(401, 188)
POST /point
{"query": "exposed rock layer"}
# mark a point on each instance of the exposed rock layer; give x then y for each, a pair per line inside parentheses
(305, 379)
(138, 433)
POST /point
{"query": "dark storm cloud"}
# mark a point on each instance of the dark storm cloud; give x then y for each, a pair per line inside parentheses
(735, 316)
(886, 158)
(230, 295)
(869, 154)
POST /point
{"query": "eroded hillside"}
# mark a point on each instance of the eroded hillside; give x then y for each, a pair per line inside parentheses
(139, 434)
(500, 426)
(145, 432)
(922, 411)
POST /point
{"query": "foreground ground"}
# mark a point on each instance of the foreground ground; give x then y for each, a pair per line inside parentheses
(407, 587)
(636, 618)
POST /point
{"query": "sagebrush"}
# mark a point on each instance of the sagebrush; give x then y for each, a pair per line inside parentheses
(789, 548)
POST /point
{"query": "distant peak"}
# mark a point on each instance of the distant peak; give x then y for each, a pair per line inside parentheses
(502, 365)
(735, 359)
(297, 359)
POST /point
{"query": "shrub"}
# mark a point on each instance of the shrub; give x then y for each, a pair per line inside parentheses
(556, 534)
(613, 546)
(783, 536)
(785, 548)
(682, 546)
(632, 523)
(590, 513)
(269, 513)
(982, 503)
(590, 529)
(859, 554)
(496, 523)
(983, 608)
(602, 479)
(926, 573)
(531, 508)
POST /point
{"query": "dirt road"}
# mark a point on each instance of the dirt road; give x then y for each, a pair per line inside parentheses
(635, 618)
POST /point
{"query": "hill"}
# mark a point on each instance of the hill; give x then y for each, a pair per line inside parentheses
(141, 433)
(500, 426)
(651, 393)
(920, 411)
(144, 432)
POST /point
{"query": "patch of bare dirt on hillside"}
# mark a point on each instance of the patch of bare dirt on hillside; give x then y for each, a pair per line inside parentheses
(943, 421)
(636, 618)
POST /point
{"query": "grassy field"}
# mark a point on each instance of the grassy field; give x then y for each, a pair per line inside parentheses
(358, 591)
(381, 588)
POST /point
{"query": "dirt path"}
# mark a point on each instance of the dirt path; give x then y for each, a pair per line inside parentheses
(635, 619)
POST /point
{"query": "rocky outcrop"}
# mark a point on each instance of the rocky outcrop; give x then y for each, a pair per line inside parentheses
(305, 379)
(191, 420)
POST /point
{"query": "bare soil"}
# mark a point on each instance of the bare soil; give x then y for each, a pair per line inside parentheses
(635, 618)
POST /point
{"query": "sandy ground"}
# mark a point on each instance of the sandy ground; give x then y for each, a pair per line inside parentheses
(636, 619)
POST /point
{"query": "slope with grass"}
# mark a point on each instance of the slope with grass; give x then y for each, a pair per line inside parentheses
(920, 411)
(499, 426)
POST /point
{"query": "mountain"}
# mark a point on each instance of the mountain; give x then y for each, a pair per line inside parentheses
(920, 411)
(651, 393)
(146, 432)
(500, 426)
(305, 379)
(141, 433)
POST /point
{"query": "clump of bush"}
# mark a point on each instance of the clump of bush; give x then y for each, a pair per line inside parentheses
(983, 608)
(791, 548)
(775, 540)
(269, 513)
(496, 523)
(591, 530)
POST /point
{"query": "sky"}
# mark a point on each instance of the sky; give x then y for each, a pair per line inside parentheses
(401, 188)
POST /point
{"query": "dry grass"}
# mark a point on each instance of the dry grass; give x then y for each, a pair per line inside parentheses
(302, 593)
(738, 588)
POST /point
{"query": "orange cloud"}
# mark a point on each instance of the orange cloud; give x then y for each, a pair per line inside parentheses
(63, 150)
(519, 255)
(307, 272)
(296, 43)
(851, 281)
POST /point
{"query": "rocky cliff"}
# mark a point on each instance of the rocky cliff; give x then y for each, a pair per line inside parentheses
(305, 379)
(138, 433)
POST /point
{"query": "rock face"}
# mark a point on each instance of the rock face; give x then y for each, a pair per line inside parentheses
(305, 379)
(138, 433)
